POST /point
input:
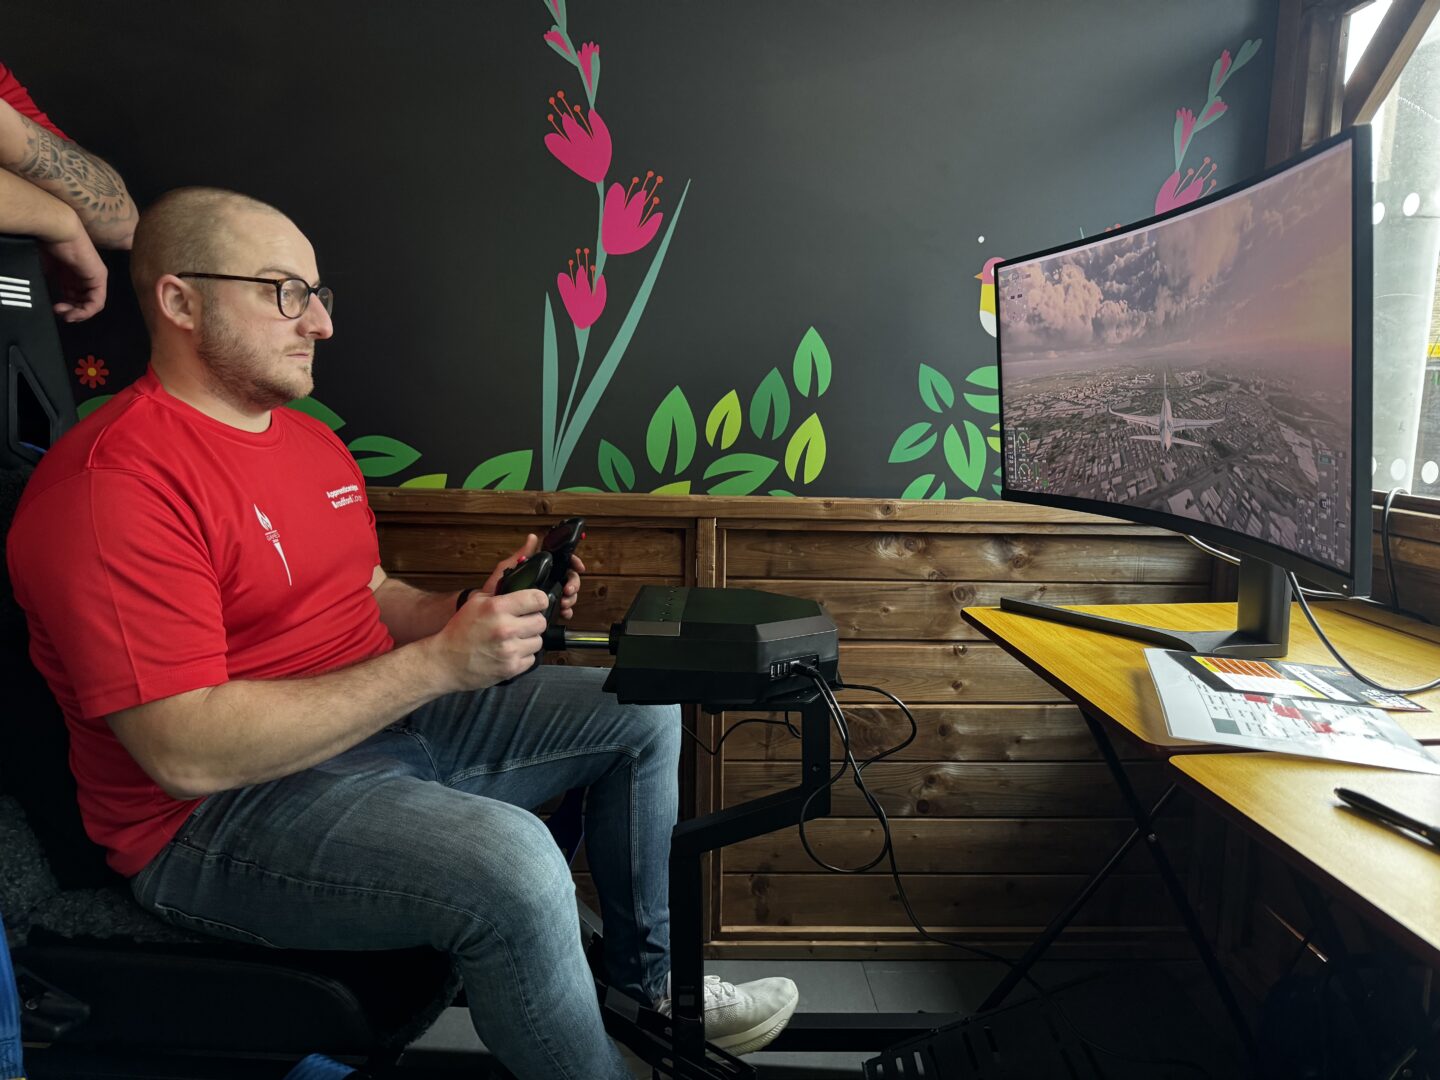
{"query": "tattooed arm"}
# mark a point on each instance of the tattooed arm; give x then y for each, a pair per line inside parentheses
(76, 177)
(71, 261)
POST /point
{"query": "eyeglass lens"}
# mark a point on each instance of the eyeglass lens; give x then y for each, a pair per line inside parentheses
(295, 297)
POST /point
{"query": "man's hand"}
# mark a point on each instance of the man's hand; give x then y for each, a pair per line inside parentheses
(74, 269)
(491, 638)
(568, 595)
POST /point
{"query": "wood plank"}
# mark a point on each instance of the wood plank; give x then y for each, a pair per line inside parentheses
(944, 903)
(603, 600)
(973, 845)
(963, 789)
(912, 610)
(456, 504)
(922, 556)
(923, 672)
(477, 547)
(944, 733)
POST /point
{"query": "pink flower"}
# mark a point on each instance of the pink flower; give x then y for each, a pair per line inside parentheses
(590, 66)
(557, 42)
(1179, 191)
(1224, 67)
(581, 143)
(1216, 108)
(631, 220)
(582, 290)
(1187, 126)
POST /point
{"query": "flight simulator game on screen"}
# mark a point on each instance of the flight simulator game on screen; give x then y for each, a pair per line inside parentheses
(1200, 366)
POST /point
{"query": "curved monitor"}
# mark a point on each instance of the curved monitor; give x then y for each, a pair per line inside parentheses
(1207, 370)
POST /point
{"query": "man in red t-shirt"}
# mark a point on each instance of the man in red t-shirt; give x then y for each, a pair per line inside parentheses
(64, 196)
(282, 745)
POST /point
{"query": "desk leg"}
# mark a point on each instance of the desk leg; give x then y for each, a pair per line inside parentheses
(1021, 968)
(1173, 884)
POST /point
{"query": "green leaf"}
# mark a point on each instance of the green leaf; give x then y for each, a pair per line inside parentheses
(1207, 118)
(935, 389)
(724, 417)
(939, 492)
(89, 405)
(503, 472)
(1179, 149)
(770, 403)
(966, 457)
(549, 394)
(615, 468)
(993, 441)
(751, 470)
(917, 488)
(388, 456)
(310, 407)
(808, 443)
(673, 422)
(678, 487)
(429, 480)
(915, 441)
(811, 356)
(780, 493)
(580, 488)
(987, 377)
(1247, 50)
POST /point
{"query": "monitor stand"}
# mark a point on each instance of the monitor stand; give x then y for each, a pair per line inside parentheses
(1262, 630)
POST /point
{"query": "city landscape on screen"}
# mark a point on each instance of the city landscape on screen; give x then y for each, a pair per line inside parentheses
(1200, 366)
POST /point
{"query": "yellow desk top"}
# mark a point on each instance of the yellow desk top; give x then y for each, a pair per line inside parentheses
(1288, 803)
(1107, 674)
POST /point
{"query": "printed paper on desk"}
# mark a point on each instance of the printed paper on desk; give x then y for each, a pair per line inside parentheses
(1334, 730)
(1290, 679)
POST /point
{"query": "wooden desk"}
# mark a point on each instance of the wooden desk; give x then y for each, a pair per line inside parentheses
(1288, 804)
(1106, 675)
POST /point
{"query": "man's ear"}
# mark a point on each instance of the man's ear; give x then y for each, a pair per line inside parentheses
(176, 302)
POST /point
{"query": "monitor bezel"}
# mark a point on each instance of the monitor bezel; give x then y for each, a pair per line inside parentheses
(1357, 581)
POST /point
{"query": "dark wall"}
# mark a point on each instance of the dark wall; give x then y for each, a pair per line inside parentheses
(844, 158)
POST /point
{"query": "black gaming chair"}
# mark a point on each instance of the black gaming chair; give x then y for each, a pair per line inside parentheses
(155, 995)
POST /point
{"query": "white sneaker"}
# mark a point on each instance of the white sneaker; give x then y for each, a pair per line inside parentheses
(741, 1019)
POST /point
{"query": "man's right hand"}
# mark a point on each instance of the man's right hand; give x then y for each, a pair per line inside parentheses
(74, 269)
(492, 638)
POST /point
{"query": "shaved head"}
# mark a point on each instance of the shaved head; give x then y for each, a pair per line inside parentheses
(188, 229)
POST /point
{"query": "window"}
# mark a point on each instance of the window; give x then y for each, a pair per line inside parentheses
(1406, 139)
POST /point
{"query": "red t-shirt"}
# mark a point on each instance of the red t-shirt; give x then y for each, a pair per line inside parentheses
(18, 98)
(157, 550)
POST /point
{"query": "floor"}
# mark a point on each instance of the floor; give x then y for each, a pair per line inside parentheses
(1154, 1021)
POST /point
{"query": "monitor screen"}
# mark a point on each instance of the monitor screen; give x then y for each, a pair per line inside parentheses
(1207, 370)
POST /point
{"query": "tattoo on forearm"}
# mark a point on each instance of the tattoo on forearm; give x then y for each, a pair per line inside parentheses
(89, 185)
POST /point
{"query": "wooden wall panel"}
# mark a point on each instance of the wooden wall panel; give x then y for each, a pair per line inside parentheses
(999, 807)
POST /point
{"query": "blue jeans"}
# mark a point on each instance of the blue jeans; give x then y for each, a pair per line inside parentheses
(423, 835)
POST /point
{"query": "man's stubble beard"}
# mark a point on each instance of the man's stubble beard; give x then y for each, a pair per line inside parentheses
(241, 373)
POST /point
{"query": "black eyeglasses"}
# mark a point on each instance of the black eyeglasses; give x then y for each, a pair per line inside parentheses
(292, 294)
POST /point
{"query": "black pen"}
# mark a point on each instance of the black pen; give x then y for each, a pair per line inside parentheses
(1390, 816)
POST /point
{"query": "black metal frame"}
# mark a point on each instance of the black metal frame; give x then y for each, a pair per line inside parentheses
(1144, 820)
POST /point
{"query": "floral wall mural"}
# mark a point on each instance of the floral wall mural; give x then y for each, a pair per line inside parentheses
(760, 263)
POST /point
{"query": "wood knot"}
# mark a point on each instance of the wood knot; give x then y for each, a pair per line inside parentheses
(887, 509)
(922, 806)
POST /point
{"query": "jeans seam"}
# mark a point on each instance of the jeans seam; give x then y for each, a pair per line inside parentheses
(544, 759)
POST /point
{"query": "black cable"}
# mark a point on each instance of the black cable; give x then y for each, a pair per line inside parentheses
(888, 850)
(712, 751)
(1310, 617)
(1385, 546)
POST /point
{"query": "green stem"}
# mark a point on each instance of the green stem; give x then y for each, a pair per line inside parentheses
(616, 352)
(582, 337)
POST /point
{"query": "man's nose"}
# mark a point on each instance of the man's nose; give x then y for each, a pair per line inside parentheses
(316, 322)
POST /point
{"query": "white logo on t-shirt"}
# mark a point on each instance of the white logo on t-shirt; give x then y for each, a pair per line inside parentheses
(344, 496)
(273, 535)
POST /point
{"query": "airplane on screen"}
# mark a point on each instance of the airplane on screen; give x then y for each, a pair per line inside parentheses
(1166, 423)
